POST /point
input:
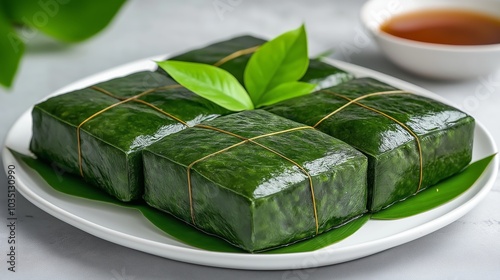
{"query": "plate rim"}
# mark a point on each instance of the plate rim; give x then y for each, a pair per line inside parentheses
(301, 260)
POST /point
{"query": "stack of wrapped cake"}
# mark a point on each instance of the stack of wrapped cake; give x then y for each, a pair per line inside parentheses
(259, 179)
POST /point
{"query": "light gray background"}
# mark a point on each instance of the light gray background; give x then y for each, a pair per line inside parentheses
(51, 249)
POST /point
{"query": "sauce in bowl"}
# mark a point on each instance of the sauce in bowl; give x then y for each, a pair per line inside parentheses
(445, 26)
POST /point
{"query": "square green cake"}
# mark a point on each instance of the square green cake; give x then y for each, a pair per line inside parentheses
(384, 127)
(255, 179)
(111, 142)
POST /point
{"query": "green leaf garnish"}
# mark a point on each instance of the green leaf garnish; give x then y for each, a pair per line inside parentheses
(281, 60)
(210, 82)
(436, 195)
(285, 91)
(11, 50)
(271, 75)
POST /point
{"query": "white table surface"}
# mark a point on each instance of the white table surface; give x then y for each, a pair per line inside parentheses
(48, 248)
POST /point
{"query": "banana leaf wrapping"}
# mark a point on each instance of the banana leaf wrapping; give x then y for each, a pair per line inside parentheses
(319, 73)
(256, 193)
(382, 127)
(111, 142)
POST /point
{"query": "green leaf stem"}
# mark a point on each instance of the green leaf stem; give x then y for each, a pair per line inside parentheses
(281, 60)
(271, 75)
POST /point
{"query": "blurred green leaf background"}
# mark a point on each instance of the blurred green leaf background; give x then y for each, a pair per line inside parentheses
(68, 21)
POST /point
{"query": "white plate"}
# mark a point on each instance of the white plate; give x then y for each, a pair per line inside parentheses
(129, 228)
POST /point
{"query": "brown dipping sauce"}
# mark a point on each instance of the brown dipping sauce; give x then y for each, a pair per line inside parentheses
(446, 26)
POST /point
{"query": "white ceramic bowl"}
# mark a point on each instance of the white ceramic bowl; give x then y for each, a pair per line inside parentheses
(432, 60)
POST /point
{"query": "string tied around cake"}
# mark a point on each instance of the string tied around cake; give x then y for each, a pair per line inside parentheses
(356, 101)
